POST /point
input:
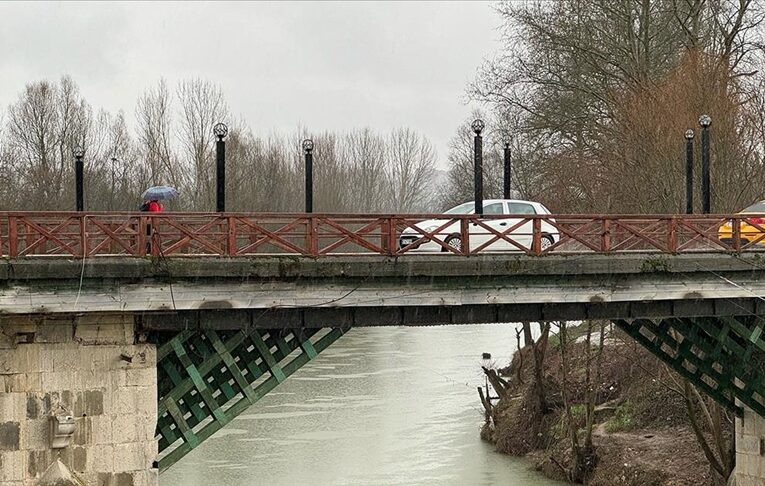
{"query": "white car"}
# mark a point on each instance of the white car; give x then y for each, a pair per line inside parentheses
(478, 235)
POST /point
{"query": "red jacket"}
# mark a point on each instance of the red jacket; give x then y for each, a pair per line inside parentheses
(155, 207)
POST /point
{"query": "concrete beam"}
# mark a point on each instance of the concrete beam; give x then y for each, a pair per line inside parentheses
(318, 317)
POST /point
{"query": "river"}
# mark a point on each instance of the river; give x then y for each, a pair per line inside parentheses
(381, 406)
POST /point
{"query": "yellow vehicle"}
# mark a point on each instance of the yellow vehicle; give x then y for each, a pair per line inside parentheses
(752, 229)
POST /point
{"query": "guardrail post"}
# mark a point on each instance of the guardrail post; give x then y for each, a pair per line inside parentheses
(231, 223)
(313, 237)
(465, 236)
(154, 237)
(536, 242)
(141, 240)
(672, 235)
(83, 236)
(13, 237)
(605, 236)
(389, 241)
(736, 226)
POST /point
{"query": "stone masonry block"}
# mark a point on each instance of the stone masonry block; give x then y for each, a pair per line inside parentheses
(748, 465)
(138, 400)
(130, 457)
(101, 334)
(97, 358)
(126, 428)
(54, 331)
(753, 424)
(10, 436)
(35, 434)
(11, 466)
(101, 427)
(146, 478)
(59, 380)
(83, 432)
(750, 444)
(104, 329)
(140, 377)
(25, 358)
(93, 379)
(12, 407)
(137, 356)
(116, 479)
(88, 403)
(100, 458)
(749, 481)
(65, 359)
(22, 382)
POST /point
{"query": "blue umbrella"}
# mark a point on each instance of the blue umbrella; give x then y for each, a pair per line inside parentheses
(158, 193)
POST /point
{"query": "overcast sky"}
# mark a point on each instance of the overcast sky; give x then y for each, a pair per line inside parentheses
(324, 66)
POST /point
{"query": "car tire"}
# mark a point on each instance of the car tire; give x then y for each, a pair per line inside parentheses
(453, 241)
(547, 242)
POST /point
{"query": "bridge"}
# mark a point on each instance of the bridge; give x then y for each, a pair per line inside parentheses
(166, 327)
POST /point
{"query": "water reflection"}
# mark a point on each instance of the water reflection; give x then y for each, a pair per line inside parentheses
(382, 406)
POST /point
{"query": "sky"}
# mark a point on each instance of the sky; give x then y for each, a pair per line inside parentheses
(322, 66)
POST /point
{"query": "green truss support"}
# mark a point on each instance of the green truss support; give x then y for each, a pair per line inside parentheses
(206, 378)
(723, 356)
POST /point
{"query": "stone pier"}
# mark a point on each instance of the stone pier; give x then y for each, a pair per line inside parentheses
(94, 374)
(750, 450)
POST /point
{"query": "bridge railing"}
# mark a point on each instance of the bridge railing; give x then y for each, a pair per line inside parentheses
(240, 234)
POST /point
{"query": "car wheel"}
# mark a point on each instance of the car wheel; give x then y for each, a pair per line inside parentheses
(454, 242)
(547, 242)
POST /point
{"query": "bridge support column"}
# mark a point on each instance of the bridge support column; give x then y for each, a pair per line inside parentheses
(92, 370)
(750, 449)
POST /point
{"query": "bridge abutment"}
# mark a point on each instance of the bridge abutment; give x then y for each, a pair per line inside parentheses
(92, 369)
(750, 449)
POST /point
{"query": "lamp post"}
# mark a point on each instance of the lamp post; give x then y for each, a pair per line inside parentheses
(220, 130)
(79, 153)
(478, 127)
(114, 170)
(706, 200)
(689, 171)
(308, 151)
(508, 172)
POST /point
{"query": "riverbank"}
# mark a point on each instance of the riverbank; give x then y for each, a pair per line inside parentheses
(642, 435)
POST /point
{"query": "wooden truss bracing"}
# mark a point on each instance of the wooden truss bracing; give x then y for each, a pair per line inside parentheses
(206, 378)
(723, 356)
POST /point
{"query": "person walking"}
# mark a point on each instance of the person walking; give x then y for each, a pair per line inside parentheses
(154, 206)
(151, 204)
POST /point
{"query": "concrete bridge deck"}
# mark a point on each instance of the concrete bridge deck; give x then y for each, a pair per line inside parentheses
(360, 290)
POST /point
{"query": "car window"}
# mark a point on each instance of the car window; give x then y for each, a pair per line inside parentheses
(755, 208)
(494, 208)
(466, 208)
(521, 208)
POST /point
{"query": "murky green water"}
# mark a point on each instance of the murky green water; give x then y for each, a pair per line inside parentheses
(382, 406)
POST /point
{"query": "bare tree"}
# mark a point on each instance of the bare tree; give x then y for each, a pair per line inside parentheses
(202, 105)
(410, 168)
(154, 118)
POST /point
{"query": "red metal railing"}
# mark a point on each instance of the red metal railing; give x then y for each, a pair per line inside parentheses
(238, 234)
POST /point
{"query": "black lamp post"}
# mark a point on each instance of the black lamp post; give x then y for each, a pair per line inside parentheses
(507, 193)
(79, 153)
(478, 127)
(689, 171)
(706, 200)
(114, 182)
(308, 150)
(220, 130)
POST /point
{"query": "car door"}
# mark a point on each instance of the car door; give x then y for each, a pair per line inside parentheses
(523, 234)
(480, 235)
